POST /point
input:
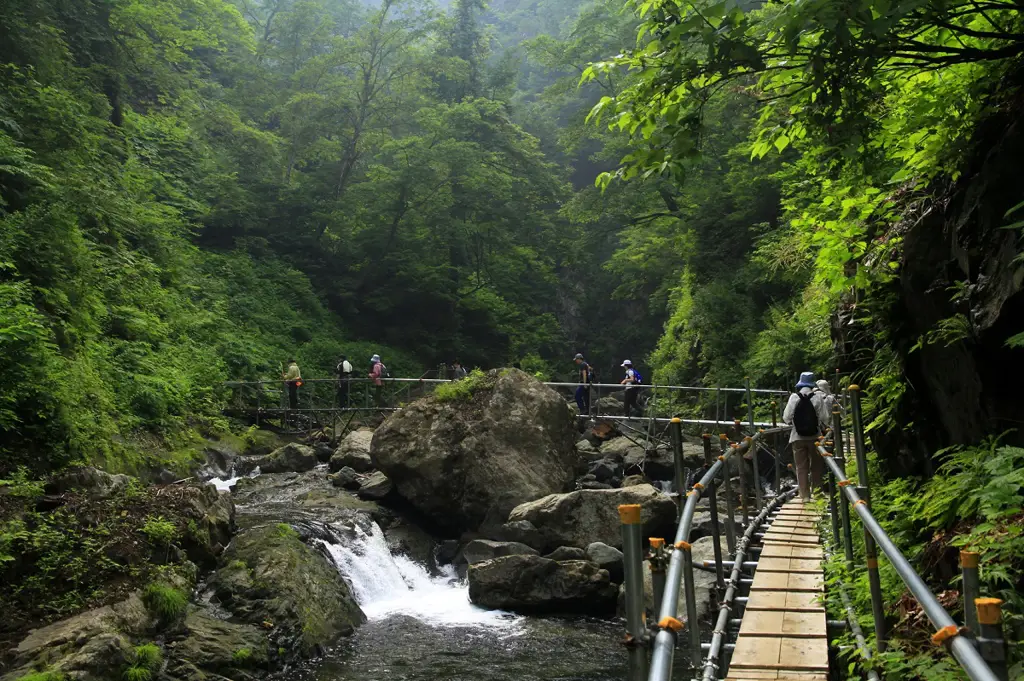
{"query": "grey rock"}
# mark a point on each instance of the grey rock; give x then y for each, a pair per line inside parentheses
(585, 516)
(607, 558)
(593, 484)
(531, 584)
(522, 531)
(89, 481)
(354, 451)
(604, 470)
(346, 478)
(464, 464)
(633, 481)
(567, 553)
(290, 458)
(377, 486)
(704, 582)
(619, 448)
(480, 550)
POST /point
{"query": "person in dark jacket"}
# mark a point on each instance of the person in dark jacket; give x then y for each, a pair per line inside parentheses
(586, 377)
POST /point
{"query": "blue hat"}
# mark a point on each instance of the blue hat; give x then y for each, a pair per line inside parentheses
(806, 380)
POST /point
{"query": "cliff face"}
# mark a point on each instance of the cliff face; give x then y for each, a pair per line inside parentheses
(958, 271)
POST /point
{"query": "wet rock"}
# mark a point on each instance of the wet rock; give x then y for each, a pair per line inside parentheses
(213, 645)
(212, 526)
(354, 451)
(465, 463)
(617, 449)
(376, 487)
(165, 477)
(270, 578)
(94, 645)
(346, 478)
(585, 516)
(89, 481)
(291, 457)
(409, 540)
(480, 550)
(633, 481)
(531, 584)
(447, 552)
(323, 452)
(607, 558)
(567, 553)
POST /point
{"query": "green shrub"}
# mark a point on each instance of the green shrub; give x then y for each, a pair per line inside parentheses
(164, 601)
(44, 676)
(137, 674)
(147, 656)
(159, 531)
(461, 391)
(20, 485)
(242, 656)
(285, 530)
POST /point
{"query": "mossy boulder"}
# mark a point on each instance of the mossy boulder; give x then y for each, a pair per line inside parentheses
(272, 579)
(214, 645)
(288, 459)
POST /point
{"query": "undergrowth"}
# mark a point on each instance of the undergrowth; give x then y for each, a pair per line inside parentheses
(464, 389)
(167, 603)
(974, 502)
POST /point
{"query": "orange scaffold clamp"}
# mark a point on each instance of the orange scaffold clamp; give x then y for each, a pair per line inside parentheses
(944, 634)
(670, 624)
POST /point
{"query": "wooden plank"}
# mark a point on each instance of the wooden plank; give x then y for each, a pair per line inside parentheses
(787, 581)
(784, 564)
(777, 550)
(769, 652)
(797, 601)
(787, 538)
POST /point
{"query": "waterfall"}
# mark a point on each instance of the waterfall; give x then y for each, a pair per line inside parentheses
(225, 484)
(387, 585)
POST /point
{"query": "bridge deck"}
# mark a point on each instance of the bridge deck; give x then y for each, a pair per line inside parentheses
(782, 636)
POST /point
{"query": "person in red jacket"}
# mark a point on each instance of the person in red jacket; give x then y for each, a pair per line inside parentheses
(377, 373)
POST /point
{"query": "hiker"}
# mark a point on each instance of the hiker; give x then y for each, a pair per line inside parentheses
(344, 381)
(586, 376)
(378, 372)
(807, 413)
(293, 379)
(458, 371)
(831, 400)
(631, 380)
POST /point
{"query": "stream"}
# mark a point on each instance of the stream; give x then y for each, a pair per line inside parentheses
(421, 625)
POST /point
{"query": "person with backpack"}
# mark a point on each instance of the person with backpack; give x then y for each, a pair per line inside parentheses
(586, 376)
(831, 400)
(632, 379)
(807, 413)
(378, 373)
(458, 371)
(344, 369)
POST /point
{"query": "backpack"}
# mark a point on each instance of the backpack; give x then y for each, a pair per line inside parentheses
(591, 374)
(805, 417)
(384, 373)
(637, 378)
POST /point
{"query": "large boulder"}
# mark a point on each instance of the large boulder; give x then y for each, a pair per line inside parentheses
(376, 487)
(531, 584)
(216, 646)
(354, 451)
(213, 515)
(586, 516)
(607, 558)
(618, 448)
(271, 578)
(89, 481)
(290, 458)
(479, 550)
(467, 457)
(704, 582)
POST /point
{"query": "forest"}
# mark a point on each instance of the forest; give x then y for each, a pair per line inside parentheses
(195, 191)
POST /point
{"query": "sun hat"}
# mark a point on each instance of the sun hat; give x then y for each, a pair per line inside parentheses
(626, 363)
(806, 380)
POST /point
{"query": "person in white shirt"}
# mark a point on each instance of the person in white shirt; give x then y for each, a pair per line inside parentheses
(807, 413)
(631, 380)
(344, 381)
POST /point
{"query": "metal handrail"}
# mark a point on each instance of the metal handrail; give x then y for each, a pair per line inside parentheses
(663, 649)
(963, 650)
(550, 384)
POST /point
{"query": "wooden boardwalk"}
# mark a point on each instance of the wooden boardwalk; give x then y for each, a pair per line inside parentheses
(782, 636)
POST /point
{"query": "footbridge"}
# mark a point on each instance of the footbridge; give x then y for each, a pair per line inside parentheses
(776, 616)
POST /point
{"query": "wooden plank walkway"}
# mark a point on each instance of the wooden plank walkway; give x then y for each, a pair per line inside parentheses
(782, 637)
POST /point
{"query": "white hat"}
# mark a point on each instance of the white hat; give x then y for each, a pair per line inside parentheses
(626, 363)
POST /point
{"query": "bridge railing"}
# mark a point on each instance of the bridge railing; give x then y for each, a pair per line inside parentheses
(979, 648)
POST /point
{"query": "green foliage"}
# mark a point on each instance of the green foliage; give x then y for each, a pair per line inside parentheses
(242, 657)
(148, 656)
(286, 531)
(167, 603)
(464, 389)
(161, 532)
(21, 485)
(44, 676)
(138, 674)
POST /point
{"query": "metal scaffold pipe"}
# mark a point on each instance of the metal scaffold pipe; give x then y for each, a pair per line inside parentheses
(629, 515)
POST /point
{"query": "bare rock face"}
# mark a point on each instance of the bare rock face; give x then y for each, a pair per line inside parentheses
(586, 516)
(465, 461)
(354, 452)
(531, 584)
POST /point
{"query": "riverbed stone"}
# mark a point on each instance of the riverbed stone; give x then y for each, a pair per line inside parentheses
(567, 553)
(375, 487)
(89, 481)
(522, 531)
(354, 451)
(633, 481)
(346, 478)
(605, 469)
(607, 558)
(582, 517)
(465, 462)
(292, 457)
(531, 584)
(594, 484)
(214, 645)
(270, 578)
(480, 550)
(616, 449)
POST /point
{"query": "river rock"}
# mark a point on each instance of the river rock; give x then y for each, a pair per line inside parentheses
(354, 451)
(376, 487)
(656, 464)
(567, 553)
(618, 448)
(94, 645)
(479, 550)
(213, 645)
(594, 484)
(89, 481)
(269, 575)
(290, 458)
(346, 478)
(633, 481)
(607, 558)
(531, 584)
(585, 516)
(522, 531)
(604, 470)
(465, 463)
(213, 513)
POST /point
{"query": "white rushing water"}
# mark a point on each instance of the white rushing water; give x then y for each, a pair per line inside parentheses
(224, 484)
(385, 585)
